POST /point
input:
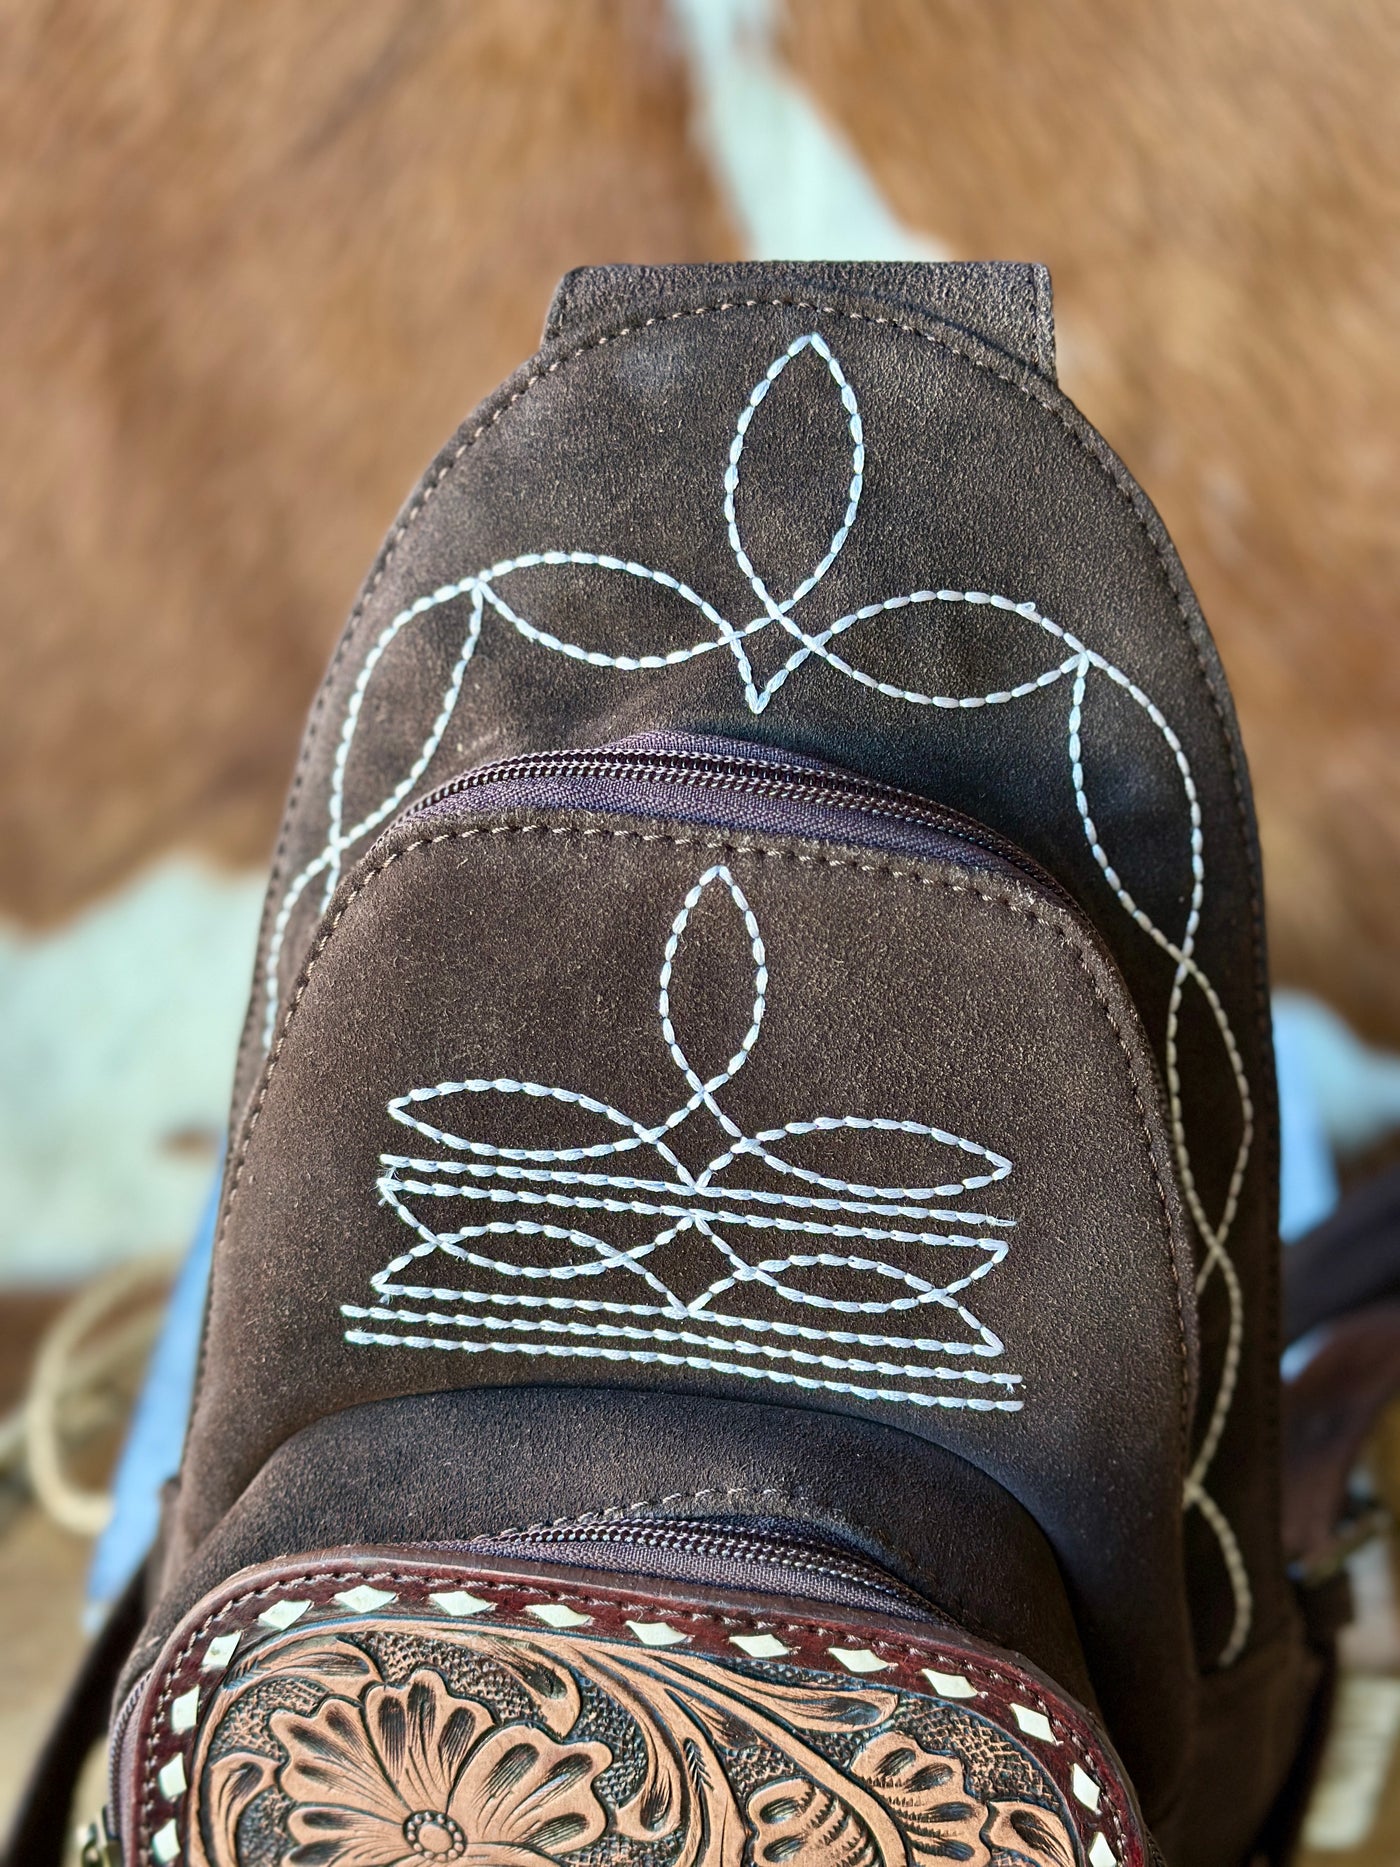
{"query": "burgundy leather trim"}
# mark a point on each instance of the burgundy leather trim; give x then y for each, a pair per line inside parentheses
(259, 1623)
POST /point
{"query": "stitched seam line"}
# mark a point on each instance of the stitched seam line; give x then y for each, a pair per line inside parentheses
(1017, 379)
(993, 897)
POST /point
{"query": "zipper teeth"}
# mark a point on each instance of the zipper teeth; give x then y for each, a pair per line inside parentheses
(703, 1541)
(749, 777)
(116, 1741)
(707, 771)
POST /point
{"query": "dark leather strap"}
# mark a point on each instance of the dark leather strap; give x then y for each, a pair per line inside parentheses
(39, 1832)
(1342, 1321)
(1331, 1407)
(1351, 1259)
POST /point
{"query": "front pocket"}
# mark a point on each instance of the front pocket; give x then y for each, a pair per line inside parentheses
(825, 1110)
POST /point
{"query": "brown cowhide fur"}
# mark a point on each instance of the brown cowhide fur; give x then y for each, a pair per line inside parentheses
(1216, 188)
(258, 259)
(260, 255)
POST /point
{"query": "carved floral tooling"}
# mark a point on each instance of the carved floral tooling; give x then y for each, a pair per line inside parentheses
(412, 1743)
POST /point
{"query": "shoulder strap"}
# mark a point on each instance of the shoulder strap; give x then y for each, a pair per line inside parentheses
(39, 1832)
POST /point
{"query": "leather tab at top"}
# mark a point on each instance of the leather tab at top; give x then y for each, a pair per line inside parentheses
(1005, 303)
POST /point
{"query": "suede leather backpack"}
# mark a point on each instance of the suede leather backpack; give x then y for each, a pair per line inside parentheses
(744, 1324)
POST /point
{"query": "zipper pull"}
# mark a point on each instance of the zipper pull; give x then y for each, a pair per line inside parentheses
(98, 1846)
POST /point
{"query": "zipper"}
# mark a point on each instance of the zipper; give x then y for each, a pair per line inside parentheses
(776, 1561)
(749, 775)
(98, 1845)
(101, 1841)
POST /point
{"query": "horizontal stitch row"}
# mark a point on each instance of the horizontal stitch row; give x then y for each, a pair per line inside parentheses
(999, 897)
(648, 1208)
(991, 895)
(614, 1258)
(692, 1215)
(370, 1339)
(754, 1325)
(492, 1169)
(626, 1332)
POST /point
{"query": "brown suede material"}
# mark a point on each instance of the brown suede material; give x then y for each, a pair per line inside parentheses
(978, 477)
(527, 1456)
(1251, 1720)
(529, 949)
(1101, 738)
(1004, 304)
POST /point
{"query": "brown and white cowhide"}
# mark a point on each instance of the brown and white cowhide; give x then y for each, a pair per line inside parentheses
(258, 259)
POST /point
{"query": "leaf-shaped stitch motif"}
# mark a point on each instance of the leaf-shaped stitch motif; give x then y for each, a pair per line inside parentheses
(763, 407)
(716, 884)
(697, 628)
(1071, 659)
(754, 1264)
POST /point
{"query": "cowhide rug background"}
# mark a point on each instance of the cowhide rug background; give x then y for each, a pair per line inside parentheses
(258, 258)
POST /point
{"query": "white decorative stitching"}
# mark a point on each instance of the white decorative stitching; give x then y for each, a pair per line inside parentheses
(1213, 1236)
(482, 589)
(700, 1204)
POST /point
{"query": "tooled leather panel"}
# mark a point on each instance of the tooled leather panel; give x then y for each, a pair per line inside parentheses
(378, 1709)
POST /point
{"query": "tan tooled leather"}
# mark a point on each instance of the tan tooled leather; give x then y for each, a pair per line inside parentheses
(383, 1708)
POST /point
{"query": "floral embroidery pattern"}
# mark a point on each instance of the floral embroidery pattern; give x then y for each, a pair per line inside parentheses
(1072, 661)
(816, 1224)
(701, 1765)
